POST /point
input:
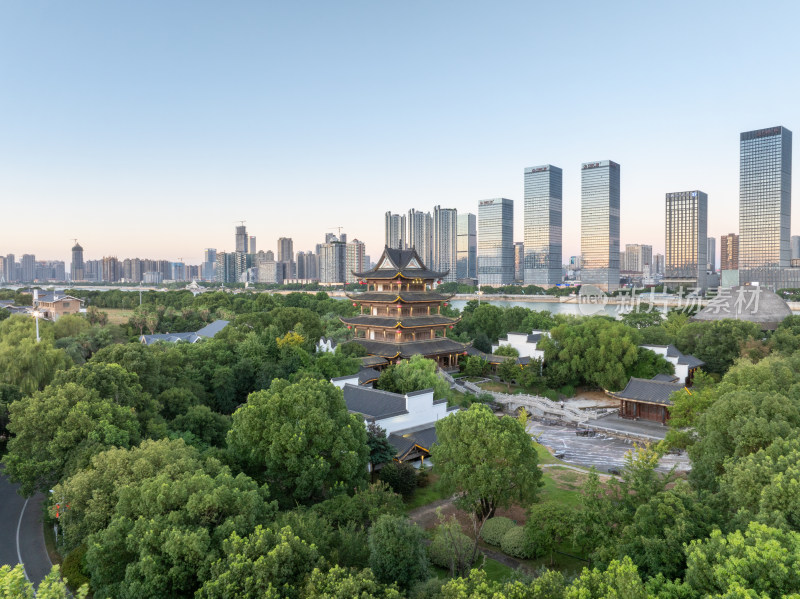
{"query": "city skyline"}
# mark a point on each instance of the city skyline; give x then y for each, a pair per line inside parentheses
(181, 135)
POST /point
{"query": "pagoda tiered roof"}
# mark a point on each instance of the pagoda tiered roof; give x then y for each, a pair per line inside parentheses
(407, 349)
(400, 264)
(407, 297)
(403, 322)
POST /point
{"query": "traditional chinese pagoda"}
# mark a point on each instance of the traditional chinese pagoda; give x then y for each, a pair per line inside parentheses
(401, 313)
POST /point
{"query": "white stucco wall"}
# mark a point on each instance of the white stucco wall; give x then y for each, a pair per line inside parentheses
(519, 341)
(421, 411)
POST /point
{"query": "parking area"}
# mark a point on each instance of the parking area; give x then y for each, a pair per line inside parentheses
(601, 451)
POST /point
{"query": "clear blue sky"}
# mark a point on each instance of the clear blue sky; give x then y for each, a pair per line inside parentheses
(147, 128)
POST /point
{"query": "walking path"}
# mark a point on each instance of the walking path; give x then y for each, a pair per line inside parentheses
(21, 535)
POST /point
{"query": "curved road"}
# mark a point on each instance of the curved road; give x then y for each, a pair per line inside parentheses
(21, 538)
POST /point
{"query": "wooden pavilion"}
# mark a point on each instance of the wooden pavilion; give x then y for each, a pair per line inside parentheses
(401, 311)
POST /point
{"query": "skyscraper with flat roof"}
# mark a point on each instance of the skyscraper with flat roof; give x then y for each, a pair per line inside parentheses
(686, 239)
(241, 239)
(600, 224)
(496, 242)
(420, 234)
(729, 252)
(765, 192)
(445, 240)
(395, 225)
(711, 255)
(467, 247)
(542, 218)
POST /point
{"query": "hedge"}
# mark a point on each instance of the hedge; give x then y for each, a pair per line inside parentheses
(495, 528)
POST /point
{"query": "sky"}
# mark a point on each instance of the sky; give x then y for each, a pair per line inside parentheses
(149, 128)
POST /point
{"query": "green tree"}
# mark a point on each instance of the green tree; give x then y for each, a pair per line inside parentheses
(57, 431)
(507, 350)
(211, 428)
(415, 374)
(301, 439)
(70, 325)
(550, 585)
(396, 551)
(489, 462)
(267, 563)
(508, 371)
(737, 424)
(718, 342)
(167, 531)
(475, 366)
(27, 364)
(342, 583)
(643, 317)
(548, 525)
(380, 450)
(401, 477)
(14, 585)
(761, 560)
(619, 580)
(655, 538)
(8, 395)
(92, 493)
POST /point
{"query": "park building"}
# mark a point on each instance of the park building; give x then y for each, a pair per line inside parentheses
(400, 312)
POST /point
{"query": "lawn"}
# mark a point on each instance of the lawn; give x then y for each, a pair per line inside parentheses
(117, 315)
(496, 571)
(425, 495)
(545, 457)
(562, 485)
(500, 387)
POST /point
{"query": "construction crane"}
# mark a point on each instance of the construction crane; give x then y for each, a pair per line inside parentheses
(240, 221)
(338, 230)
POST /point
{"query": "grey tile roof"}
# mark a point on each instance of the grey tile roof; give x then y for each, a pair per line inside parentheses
(365, 375)
(49, 297)
(425, 347)
(674, 352)
(405, 296)
(367, 361)
(211, 329)
(534, 337)
(402, 445)
(405, 321)
(649, 391)
(666, 378)
(403, 441)
(401, 260)
(373, 403)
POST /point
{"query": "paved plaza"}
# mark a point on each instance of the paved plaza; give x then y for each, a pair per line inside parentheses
(601, 451)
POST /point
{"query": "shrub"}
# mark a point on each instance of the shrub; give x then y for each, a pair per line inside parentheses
(402, 478)
(495, 528)
(516, 544)
(423, 477)
(72, 568)
(567, 391)
(448, 547)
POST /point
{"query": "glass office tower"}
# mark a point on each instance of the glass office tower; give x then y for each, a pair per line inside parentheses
(542, 263)
(765, 190)
(467, 247)
(600, 224)
(686, 258)
(496, 242)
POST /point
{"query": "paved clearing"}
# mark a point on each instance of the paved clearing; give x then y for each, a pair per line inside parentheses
(602, 452)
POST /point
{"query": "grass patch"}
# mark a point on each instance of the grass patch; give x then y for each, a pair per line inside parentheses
(496, 571)
(425, 495)
(117, 315)
(544, 455)
(562, 485)
(500, 387)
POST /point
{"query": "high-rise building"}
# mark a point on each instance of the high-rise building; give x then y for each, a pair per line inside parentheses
(251, 246)
(420, 234)
(637, 256)
(225, 270)
(467, 247)
(658, 264)
(395, 231)
(333, 262)
(445, 241)
(76, 269)
(496, 242)
(27, 268)
(354, 258)
(542, 232)
(729, 252)
(241, 239)
(111, 270)
(711, 255)
(210, 264)
(286, 255)
(519, 261)
(686, 239)
(795, 243)
(575, 262)
(10, 268)
(765, 193)
(600, 195)
(306, 266)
